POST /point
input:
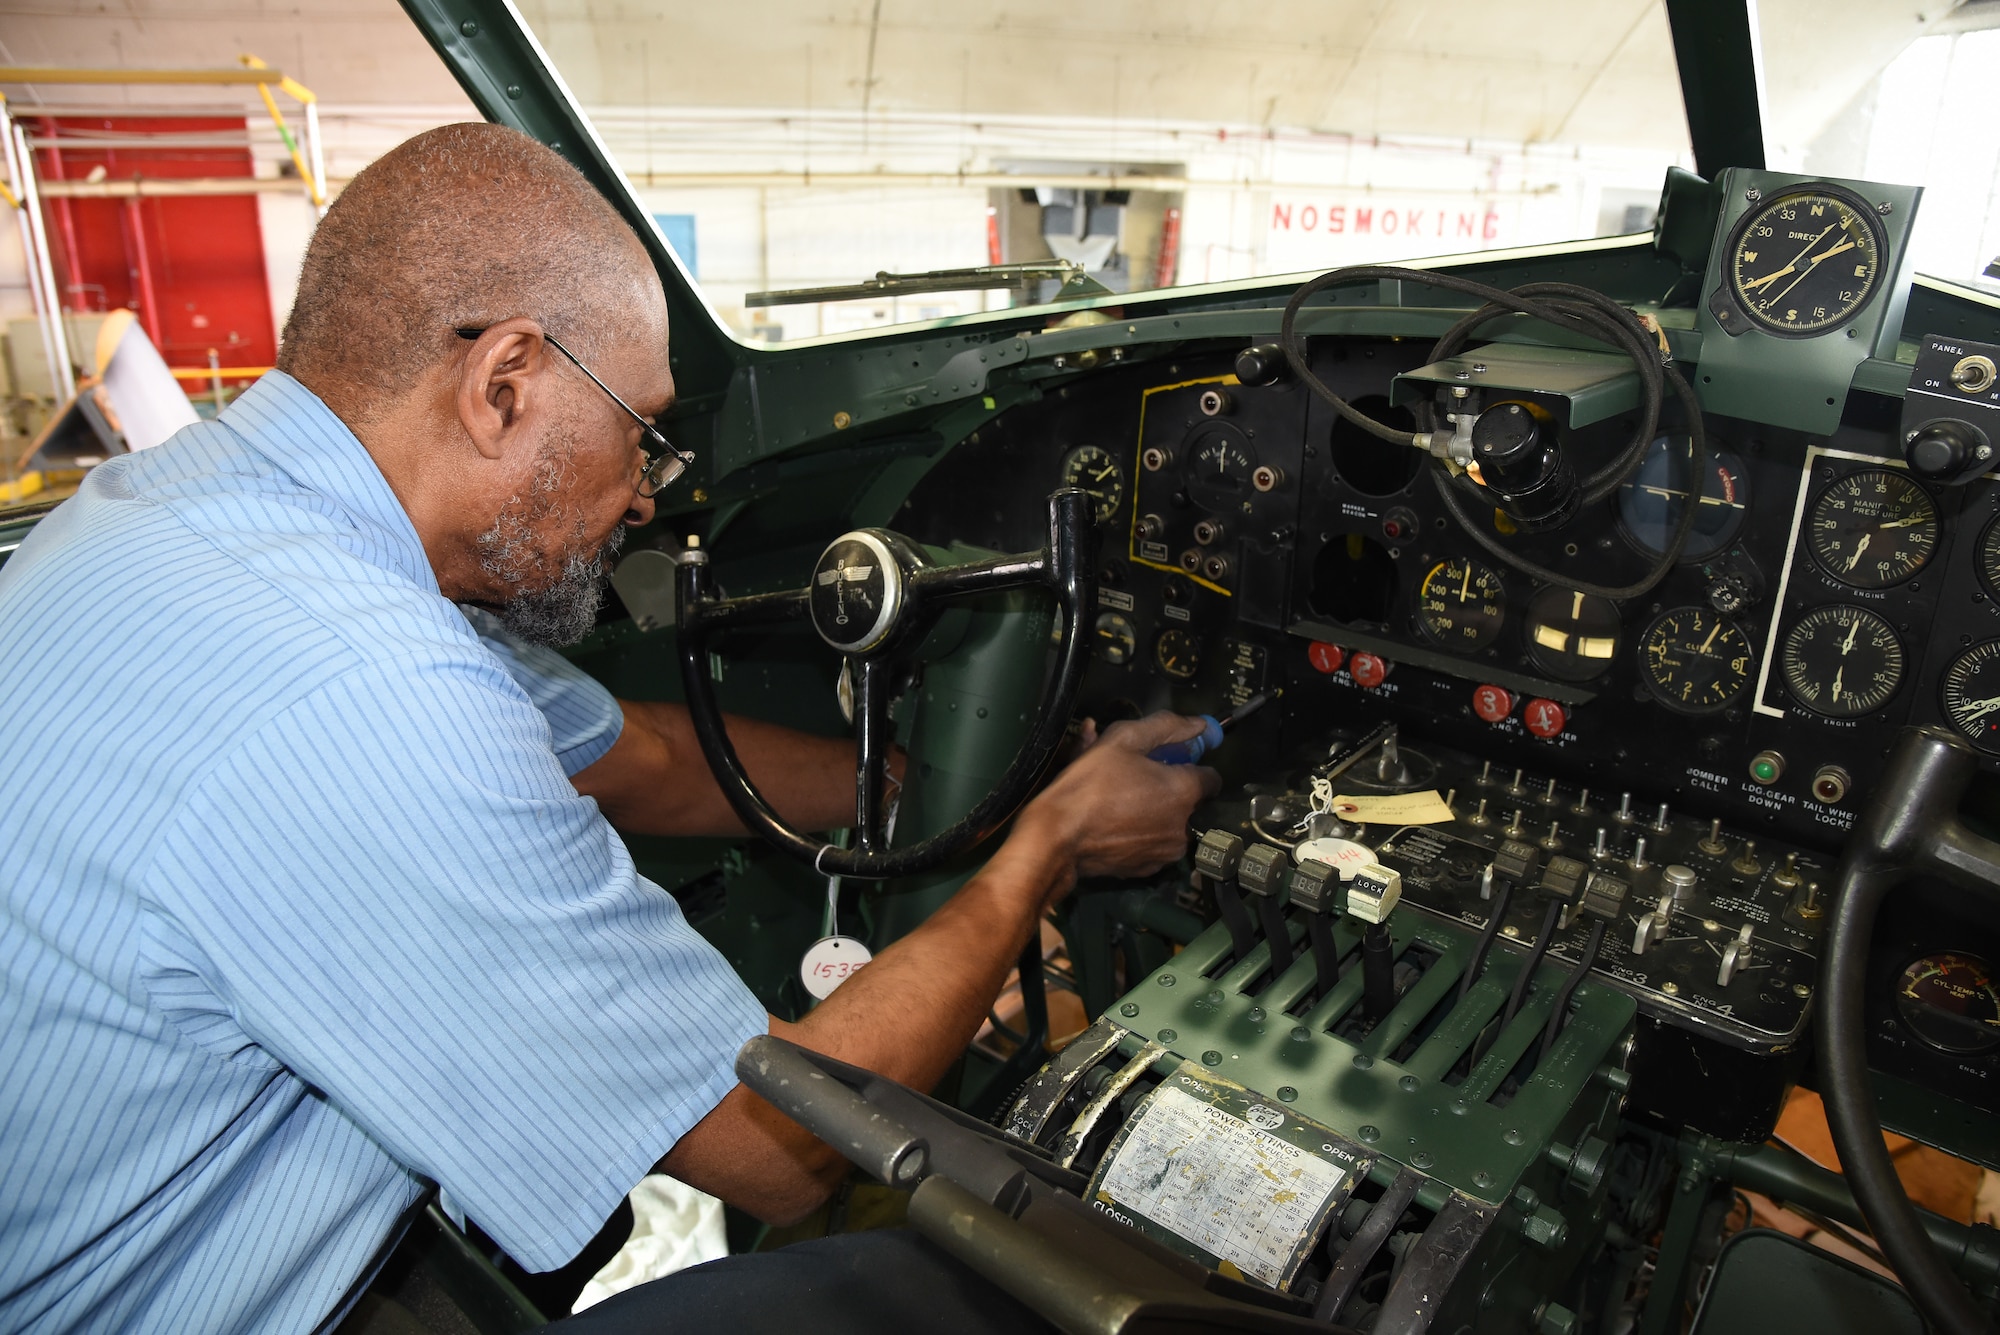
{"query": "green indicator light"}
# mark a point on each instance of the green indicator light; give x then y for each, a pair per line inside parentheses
(1764, 771)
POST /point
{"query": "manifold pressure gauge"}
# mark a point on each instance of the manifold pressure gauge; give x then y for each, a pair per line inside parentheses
(1842, 661)
(1873, 528)
(1970, 694)
(1461, 604)
(1693, 661)
(1806, 262)
(1092, 469)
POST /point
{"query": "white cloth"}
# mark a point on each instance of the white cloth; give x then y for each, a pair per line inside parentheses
(673, 1227)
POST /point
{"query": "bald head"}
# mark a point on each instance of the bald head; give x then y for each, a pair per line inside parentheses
(462, 226)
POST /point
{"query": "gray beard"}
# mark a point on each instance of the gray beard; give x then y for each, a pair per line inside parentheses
(564, 611)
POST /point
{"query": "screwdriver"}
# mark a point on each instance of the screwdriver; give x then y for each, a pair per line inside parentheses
(1212, 732)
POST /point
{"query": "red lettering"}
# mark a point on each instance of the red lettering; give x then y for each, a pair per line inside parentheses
(1389, 221)
(1491, 229)
(1440, 223)
(1309, 218)
(1281, 217)
(1362, 219)
(1413, 221)
(1336, 218)
(1465, 224)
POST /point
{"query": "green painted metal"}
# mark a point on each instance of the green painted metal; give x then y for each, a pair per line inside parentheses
(1401, 1108)
(1593, 386)
(980, 690)
(1715, 46)
(1800, 382)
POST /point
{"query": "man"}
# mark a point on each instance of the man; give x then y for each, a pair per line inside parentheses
(306, 904)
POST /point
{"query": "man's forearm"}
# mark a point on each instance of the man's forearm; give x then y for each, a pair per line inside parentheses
(908, 1015)
(655, 779)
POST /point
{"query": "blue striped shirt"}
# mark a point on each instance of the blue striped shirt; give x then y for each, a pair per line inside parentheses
(298, 908)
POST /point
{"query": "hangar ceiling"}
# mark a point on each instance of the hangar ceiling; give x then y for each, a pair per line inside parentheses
(1524, 71)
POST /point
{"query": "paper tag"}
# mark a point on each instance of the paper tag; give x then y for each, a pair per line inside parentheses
(829, 962)
(1425, 808)
(1225, 1184)
(1343, 855)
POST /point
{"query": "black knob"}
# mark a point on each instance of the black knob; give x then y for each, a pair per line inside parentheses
(1262, 364)
(1939, 450)
(1504, 434)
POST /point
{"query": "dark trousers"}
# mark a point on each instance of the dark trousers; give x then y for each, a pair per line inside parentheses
(872, 1283)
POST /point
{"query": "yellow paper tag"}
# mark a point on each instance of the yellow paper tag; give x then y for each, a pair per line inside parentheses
(1425, 808)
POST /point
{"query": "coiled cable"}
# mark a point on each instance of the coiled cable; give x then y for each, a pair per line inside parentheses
(1564, 306)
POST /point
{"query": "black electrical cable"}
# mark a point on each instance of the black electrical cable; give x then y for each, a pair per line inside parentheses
(1477, 963)
(1565, 306)
(1559, 1013)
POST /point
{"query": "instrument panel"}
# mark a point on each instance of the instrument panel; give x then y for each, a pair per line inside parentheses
(1825, 596)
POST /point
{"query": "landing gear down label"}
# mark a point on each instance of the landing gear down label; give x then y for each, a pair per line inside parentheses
(1227, 1176)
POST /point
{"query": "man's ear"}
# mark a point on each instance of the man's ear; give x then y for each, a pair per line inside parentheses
(499, 384)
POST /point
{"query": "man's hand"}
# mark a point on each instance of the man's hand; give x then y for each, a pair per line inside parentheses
(1116, 813)
(910, 1013)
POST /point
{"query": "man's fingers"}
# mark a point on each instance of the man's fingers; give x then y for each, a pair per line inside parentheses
(1143, 734)
(1211, 780)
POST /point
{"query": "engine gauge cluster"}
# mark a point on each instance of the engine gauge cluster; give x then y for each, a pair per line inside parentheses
(1843, 662)
(1873, 528)
(1949, 1000)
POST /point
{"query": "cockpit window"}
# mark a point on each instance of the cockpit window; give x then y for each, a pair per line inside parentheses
(1895, 93)
(822, 169)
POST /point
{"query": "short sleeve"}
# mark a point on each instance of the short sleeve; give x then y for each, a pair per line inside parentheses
(584, 718)
(403, 900)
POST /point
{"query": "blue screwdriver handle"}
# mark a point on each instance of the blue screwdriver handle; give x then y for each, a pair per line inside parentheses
(1193, 749)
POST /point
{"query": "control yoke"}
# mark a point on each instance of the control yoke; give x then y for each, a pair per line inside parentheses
(1910, 827)
(873, 596)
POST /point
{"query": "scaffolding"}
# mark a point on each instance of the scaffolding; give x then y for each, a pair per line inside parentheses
(23, 189)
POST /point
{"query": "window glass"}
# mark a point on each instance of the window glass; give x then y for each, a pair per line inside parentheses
(1149, 144)
(1893, 93)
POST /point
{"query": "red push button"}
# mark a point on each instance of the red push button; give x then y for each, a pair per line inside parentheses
(1367, 670)
(1492, 703)
(1326, 657)
(1544, 718)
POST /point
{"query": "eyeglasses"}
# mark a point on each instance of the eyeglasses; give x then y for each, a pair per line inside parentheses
(664, 463)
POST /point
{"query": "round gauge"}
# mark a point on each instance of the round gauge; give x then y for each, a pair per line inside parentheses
(1693, 661)
(1572, 636)
(1803, 263)
(1220, 460)
(1652, 500)
(1949, 1001)
(1842, 661)
(1989, 559)
(1178, 653)
(1117, 637)
(1970, 694)
(1873, 528)
(1461, 604)
(1092, 469)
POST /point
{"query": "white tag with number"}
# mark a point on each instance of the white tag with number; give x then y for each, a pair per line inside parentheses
(829, 962)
